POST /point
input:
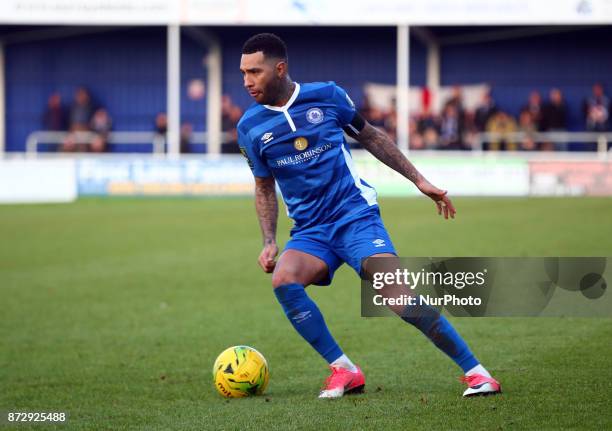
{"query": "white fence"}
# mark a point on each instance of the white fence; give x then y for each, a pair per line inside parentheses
(120, 138)
(556, 138)
(158, 142)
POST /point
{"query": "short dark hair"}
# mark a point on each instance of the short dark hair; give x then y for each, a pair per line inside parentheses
(269, 44)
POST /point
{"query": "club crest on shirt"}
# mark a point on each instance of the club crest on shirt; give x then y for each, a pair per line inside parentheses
(300, 143)
(314, 115)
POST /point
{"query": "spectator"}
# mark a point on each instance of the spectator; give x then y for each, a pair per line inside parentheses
(555, 112)
(161, 124)
(415, 140)
(373, 115)
(431, 139)
(534, 107)
(456, 100)
(100, 125)
(80, 116)
(484, 111)
(55, 115)
(365, 107)
(554, 119)
(451, 129)
(226, 110)
(502, 124)
(528, 127)
(469, 130)
(390, 121)
(597, 110)
(426, 121)
(185, 139)
(230, 115)
(81, 111)
(428, 129)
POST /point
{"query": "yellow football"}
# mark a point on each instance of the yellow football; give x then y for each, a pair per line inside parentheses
(240, 371)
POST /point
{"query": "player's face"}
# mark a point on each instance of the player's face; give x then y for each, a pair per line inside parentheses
(262, 77)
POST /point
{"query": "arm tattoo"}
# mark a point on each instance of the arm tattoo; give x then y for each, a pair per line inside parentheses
(266, 206)
(384, 149)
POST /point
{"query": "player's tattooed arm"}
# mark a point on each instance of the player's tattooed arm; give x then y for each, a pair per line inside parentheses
(384, 149)
(266, 206)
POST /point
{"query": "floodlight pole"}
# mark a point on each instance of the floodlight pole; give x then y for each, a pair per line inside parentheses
(214, 87)
(214, 94)
(403, 85)
(173, 88)
(433, 73)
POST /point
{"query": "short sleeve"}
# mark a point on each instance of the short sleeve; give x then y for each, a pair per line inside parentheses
(344, 106)
(256, 163)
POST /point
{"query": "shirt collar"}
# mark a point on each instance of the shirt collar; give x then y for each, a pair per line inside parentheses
(287, 105)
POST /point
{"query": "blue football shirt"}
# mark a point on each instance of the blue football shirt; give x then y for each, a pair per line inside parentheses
(302, 146)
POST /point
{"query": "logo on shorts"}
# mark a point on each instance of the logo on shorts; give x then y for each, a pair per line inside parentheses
(300, 143)
(314, 115)
(379, 242)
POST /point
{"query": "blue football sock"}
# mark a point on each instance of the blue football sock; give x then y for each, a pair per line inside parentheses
(306, 318)
(439, 330)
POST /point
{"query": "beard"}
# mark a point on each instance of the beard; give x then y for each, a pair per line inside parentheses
(273, 92)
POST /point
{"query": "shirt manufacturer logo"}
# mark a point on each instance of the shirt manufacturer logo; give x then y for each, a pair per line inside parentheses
(267, 137)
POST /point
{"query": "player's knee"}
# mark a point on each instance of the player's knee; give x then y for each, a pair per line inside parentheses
(284, 276)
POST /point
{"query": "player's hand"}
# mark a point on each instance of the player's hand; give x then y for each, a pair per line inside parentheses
(267, 257)
(444, 204)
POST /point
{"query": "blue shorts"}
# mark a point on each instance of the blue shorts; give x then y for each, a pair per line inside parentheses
(349, 240)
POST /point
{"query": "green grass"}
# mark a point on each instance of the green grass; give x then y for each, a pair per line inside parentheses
(114, 310)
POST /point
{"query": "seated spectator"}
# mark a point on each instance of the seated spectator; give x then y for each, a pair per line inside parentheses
(527, 126)
(484, 111)
(469, 130)
(426, 120)
(502, 124)
(415, 140)
(55, 115)
(101, 125)
(390, 122)
(597, 110)
(534, 107)
(427, 128)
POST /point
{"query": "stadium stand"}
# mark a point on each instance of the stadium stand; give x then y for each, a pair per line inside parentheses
(130, 82)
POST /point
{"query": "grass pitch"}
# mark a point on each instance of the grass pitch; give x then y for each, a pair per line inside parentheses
(114, 311)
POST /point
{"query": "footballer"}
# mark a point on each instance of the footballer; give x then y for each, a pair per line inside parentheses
(293, 136)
